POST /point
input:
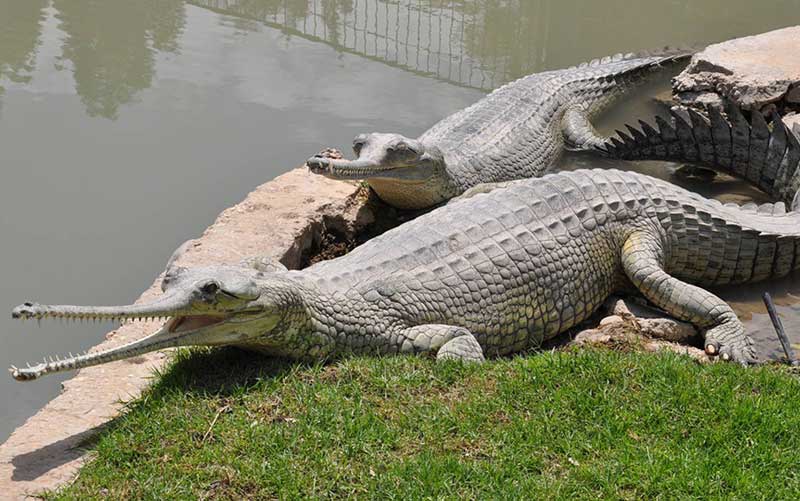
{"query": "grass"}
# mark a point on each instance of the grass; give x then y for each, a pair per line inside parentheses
(223, 424)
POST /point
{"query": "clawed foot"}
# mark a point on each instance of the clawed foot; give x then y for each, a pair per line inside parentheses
(740, 351)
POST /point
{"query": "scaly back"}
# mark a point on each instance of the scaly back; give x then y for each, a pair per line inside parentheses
(706, 241)
(520, 123)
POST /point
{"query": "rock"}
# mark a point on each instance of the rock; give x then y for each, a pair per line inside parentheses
(703, 99)
(610, 320)
(667, 329)
(591, 336)
(628, 322)
(751, 72)
(630, 310)
(690, 351)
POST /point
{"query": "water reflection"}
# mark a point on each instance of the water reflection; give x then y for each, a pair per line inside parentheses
(111, 43)
(485, 43)
(19, 38)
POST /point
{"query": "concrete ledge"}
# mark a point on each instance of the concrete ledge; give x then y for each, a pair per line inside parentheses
(285, 218)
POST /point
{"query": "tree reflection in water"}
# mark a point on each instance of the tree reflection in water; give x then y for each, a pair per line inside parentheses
(112, 44)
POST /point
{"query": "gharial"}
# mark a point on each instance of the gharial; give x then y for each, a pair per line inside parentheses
(517, 131)
(490, 274)
(767, 155)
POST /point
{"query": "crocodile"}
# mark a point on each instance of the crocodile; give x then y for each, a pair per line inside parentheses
(765, 154)
(491, 274)
(518, 131)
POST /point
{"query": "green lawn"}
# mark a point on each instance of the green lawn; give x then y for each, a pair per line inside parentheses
(223, 424)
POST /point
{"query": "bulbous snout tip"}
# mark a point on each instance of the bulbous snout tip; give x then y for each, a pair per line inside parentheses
(26, 310)
(321, 163)
(318, 164)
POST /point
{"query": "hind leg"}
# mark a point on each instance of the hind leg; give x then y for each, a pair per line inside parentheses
(724, 333)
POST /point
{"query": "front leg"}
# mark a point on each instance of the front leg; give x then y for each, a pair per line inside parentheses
(725, 335)
(447, 341)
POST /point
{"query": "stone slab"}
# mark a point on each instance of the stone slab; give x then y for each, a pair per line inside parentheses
(751, 72)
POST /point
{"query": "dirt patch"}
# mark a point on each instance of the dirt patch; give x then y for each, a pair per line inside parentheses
(367, 217)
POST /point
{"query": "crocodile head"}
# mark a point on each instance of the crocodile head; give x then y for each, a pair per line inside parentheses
(214, 306)
(401, 170)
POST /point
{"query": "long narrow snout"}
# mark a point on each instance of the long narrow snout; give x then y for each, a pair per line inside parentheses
(164, 306)
(178, 331)
(157, 341)
(340, 168)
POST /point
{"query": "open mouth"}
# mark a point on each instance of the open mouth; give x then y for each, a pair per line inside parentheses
(192, 323)
(176, 327)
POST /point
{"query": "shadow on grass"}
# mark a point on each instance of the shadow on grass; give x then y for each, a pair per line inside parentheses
(219, 371)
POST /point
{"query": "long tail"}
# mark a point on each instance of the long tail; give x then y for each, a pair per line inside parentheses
(767, 156)
(766, 240)
(613, 76)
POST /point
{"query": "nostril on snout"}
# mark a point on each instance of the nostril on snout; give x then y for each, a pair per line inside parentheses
(317, 162)
(23, 310)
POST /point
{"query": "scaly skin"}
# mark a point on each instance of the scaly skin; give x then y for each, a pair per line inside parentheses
(518, 131)
(491, 274)
(767, 157)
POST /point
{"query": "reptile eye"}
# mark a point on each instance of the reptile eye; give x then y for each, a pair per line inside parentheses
(401, 149)
(358, 142)
(210, 288)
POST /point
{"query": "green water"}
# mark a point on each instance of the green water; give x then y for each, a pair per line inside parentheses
(127, 126)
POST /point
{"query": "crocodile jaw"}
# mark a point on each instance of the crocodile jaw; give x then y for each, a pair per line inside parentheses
(210, 318)
(365, 169)
(181, 330)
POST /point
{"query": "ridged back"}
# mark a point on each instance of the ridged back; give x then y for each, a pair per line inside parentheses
(519, 123)
(706, 241)
(767, 156)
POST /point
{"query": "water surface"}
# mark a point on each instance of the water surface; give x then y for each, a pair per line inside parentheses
(127, 126)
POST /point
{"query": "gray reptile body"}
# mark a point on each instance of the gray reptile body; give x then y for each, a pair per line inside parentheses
(522, 264)
(492, 274)
(766, 154)
(517, 131)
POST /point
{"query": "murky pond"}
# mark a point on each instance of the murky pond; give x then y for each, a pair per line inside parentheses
(127, 126)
